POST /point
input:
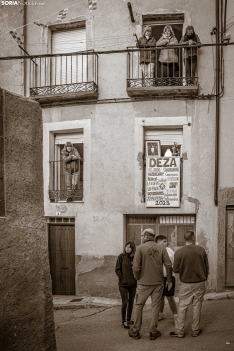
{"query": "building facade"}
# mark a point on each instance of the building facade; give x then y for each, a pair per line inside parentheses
(155, 149)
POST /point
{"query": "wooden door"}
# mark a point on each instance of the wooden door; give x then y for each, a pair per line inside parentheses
(62, 259)
(229, 281)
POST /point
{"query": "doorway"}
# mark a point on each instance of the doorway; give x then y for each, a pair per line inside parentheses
(229, 254)
(62, 258)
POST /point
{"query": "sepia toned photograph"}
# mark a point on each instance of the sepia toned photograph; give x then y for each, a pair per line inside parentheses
(116, 175)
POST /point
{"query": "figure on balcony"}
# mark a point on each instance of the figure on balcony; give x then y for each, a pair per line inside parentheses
(71, 158)
(147, 58)
(168, 58)
(190, 54)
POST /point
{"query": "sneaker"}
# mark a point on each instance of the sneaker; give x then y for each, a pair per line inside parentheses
(199, 333)
(125, 325)
(176, 335)
(134, 334)
(154, 335)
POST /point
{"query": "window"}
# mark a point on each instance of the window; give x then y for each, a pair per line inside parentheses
(167, 138)
(173, 227)
(157, 23)
(163, 150)
(66, 168)
(162, 70)
(71, 68)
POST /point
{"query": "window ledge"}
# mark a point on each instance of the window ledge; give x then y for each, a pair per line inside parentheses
(67, 202)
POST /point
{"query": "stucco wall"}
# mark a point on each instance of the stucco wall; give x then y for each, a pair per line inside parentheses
(26, 307)
(113, 138)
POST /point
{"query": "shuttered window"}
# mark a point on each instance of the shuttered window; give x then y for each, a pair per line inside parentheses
(167, 138)
(72, 68)
(74, 138)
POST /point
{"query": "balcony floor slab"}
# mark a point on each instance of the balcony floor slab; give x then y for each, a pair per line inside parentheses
(65, 98)
(163, 91)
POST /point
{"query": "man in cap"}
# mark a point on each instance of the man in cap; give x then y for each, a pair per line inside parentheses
(70, 157)
(148, 270)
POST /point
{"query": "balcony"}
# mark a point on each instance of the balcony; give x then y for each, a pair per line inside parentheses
(64, 78)
(64, 187)
(147, 76)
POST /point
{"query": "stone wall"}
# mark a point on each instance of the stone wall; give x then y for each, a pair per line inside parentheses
(26, 309)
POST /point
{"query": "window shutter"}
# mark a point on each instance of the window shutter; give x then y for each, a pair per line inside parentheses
(70, 40)
(69, 69)
(74, 138)
(166, 136)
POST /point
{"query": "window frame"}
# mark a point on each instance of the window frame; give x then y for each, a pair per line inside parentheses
(55, 156)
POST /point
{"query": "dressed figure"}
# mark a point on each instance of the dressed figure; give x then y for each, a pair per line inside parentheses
(71, 158)
(190, 54)
(147, 58)
(168, 58)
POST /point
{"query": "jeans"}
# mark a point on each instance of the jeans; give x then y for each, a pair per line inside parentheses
(190, 294)
(127, 294)
(71, 180)
(142, 294)
(171, 303)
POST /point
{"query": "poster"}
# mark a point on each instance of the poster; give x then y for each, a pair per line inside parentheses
(162, 181)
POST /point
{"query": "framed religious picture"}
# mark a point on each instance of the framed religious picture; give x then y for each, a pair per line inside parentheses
(153, 148)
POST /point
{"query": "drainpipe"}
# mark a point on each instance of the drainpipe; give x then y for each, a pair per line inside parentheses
(25, 42)
(225, 17)
(130, 12)
(217, 105)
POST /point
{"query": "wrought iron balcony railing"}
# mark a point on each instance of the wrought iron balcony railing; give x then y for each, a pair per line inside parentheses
(161, 69)
(64, 74)
(65, 185)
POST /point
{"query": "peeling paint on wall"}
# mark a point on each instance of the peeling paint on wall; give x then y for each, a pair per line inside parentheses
(102, 272)
(195, 201)
(140, 160)
(87, 264)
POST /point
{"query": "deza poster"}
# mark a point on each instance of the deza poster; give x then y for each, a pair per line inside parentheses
(162, 181)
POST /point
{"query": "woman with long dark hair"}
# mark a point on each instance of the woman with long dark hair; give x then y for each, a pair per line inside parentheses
(127, 282)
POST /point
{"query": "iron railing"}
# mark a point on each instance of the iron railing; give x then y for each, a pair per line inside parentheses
(63, 185)
(58, 74)
(162, 67)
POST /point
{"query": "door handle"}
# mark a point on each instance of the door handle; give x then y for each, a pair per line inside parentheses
(64, 267)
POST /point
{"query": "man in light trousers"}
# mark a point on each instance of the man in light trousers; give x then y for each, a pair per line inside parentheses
(148, 270)
(191, 263)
